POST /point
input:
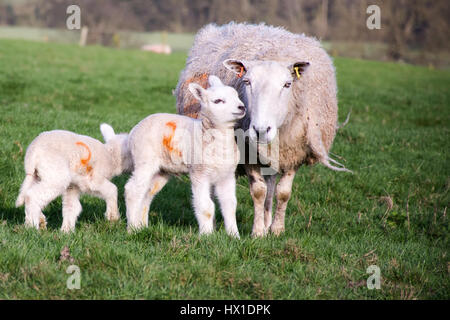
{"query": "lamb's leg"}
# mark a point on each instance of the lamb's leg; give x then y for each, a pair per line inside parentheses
(203, 205)
(226, 193)
(271, 183)
(158, 182)
(36, 199)
(54, 178)
(71, 209)
(135, 193)
(283, 193)
(108, 192)
(258, 191)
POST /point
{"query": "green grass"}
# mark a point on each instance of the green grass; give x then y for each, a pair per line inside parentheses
(397, 143)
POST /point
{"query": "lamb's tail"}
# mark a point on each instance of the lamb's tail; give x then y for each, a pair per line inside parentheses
(29, 179)
(343, 124)
(30, 170)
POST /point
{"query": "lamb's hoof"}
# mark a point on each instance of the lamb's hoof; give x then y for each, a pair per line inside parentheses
(234, 235)
(112, 216)
(134, 229)
(277, 230)
(258, 233)
(42, 223)
(66, 229)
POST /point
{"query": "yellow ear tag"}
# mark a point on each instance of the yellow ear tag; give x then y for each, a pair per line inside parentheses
(296, 72)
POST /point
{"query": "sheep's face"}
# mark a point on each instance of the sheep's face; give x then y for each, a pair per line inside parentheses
(219, 103)
(268, 89)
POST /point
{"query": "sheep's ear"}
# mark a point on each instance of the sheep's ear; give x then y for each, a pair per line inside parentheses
(298, 69)
(107, 131)
(237, 66)
(214, 81)
(198, 91)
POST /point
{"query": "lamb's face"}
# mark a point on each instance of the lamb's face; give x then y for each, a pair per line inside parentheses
(268, 89)
(220, 103)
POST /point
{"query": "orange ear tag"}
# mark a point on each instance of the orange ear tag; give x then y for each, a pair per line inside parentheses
(241, 73)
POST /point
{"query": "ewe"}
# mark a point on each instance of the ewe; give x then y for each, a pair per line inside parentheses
(288, 83)
(164, 144)
(62, 162)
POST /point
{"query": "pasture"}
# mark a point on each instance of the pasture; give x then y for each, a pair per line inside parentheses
(392, 212)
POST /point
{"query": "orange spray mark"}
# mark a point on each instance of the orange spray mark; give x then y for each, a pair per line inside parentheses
(207, 214)
(144, 214)
(85, 162)
(154, 189)
(167, 140)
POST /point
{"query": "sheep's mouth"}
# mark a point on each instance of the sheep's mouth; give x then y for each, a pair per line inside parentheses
(239, 114)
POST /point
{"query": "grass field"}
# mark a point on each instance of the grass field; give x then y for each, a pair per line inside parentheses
(397, 143)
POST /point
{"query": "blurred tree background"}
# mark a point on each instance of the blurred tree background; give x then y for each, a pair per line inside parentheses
(406, 25)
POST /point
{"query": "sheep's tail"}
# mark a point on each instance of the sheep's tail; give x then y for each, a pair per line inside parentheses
(343, 124)
(30, 170)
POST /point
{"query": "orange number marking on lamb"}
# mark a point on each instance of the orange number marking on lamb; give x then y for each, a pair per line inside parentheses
(167, 140)
(85, 162)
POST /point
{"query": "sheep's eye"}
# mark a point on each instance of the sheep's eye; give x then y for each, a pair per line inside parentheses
(287, 84)
(218, 101)
(246, 82)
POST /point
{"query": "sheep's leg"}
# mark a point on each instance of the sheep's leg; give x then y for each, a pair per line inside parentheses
(283, 193)
(71, 209)
(135, 193)
(36, 199)
(203, 205)
(226, 193)
(54, 178)
(108, 192)
(271, 183)
(158, 182)
(258, 191)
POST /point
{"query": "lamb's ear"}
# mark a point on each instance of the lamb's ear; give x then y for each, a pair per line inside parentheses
(214, 81)
(237, 66)
(198, 91)
(298, 69)
(107, 131)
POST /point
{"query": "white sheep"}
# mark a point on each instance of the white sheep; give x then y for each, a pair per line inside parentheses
(287, 81)
(64, 163)
(164, 144)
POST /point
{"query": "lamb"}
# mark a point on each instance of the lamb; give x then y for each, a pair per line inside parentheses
(287, 82)
(164, 144)
(64, 163)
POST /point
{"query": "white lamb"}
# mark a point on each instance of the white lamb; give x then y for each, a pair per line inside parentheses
(164, 144)
(64, 163)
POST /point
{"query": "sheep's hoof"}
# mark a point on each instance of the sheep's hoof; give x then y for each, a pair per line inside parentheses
(134, 229)
(42, 223)
(258, 233)
(66, 229)
(277, 230)
(112, 216)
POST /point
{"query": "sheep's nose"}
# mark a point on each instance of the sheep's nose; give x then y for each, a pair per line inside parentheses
(262, 130)
(242, 108)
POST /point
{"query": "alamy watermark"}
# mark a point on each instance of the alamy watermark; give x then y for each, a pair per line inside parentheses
(374, 281)
(73, 21)
(374, 20)
(74, 280)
